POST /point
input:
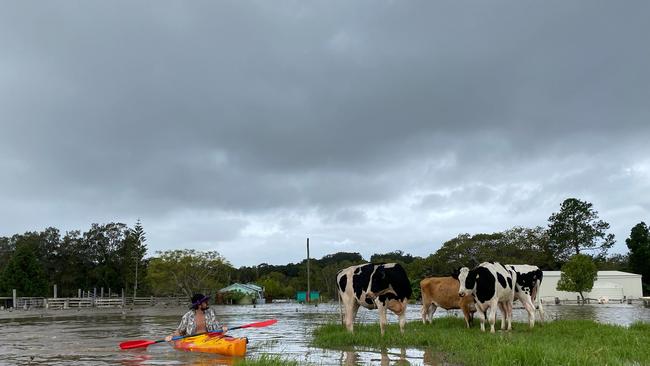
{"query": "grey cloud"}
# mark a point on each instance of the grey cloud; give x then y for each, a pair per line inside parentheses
(245, 109)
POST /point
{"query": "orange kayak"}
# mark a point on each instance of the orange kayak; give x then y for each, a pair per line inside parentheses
(222, 345)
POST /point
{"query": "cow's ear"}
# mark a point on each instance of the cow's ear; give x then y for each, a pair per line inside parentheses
(455, 273)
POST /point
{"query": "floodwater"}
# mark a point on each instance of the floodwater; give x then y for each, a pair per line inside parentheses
(91, 337)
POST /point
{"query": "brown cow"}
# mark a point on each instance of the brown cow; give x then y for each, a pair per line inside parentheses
(443, 292)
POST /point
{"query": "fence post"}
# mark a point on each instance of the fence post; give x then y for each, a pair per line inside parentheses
(55, 291)
(123, 299)
(14, 304)
(79, 293)
(102, 293)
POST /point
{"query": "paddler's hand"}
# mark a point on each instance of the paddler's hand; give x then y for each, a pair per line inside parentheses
(224, 328)
(169, 338)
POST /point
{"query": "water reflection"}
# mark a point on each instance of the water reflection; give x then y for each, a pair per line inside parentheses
(384, 358)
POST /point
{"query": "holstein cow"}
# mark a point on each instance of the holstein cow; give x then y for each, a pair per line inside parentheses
(492, 286)
(443, 292)
(374, 286)
(529, 280)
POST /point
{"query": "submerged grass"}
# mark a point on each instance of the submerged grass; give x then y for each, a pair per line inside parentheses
(267, 360)
(562, 342)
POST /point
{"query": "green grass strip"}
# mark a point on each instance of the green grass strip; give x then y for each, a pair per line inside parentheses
(562, 342)
(266, 360)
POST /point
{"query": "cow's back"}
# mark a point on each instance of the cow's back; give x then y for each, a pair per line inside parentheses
(394, 277)
(354, 281)
(441, 291)
(495, 280)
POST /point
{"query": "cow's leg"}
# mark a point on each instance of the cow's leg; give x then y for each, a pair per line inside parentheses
(492, 315)
(480, 310)
(434, 307)
(381, 308)
(504, 314)
(425, 311)
(530, 308)
(509, 308)
(351, 308)
(537, 300)
(402, 315)
(466, 314)
(399, 308)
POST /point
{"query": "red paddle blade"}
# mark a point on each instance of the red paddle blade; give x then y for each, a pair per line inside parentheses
(260, 324)
(136, 344)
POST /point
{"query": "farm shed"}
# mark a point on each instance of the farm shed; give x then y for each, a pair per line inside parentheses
(253, 294)
(612, 285)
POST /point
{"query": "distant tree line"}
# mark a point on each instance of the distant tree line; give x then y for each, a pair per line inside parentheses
(108, 256)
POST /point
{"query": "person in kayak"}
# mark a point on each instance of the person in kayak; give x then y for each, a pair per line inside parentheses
(199, 319)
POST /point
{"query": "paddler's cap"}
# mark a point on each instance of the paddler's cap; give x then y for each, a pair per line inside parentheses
(197, 299)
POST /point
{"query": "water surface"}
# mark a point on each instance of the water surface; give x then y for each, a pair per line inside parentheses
(91, 337)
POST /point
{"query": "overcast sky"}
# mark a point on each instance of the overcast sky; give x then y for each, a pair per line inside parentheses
(368, 126)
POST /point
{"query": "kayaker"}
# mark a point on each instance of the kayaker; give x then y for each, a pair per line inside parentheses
(199, 319)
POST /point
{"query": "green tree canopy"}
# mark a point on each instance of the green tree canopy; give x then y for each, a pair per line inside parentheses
(639, 245)
(578, 275)
(397, 256)
(187, 271)
(576, 228)
(24, 272)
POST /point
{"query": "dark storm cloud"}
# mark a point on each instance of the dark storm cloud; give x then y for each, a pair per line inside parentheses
(381, 125)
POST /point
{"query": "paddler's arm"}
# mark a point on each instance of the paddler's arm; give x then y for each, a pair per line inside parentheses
(180, 330)
(175, 334)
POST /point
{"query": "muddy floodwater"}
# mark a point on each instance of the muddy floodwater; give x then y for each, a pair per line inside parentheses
(91, 337)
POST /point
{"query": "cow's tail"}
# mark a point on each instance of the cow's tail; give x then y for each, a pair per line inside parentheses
(538, 297)
(341, 309)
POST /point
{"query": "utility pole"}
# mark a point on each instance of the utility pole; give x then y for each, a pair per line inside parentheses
(307, 298)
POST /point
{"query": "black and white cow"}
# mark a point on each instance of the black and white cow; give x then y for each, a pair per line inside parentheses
(374, 286)
(529, 280)
(492, 286)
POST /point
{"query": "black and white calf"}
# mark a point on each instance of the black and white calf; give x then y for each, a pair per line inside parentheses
(374, 286)
(492, 286)
(529, 280)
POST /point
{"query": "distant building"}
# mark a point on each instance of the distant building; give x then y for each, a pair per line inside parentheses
(253, 294)
(610, 285)
(301, 296)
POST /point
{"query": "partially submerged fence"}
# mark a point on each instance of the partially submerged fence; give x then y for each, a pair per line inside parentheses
(87, 302)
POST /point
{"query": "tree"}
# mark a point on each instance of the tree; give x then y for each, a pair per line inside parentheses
(576, 228)
(578, 275)
(395, 256)
(131, 253)
(187, 271)
(24, 273)
(639, 245)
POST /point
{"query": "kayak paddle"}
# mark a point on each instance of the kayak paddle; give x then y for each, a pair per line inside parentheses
(146, 342)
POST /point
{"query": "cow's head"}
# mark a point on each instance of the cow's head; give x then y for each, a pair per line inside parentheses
(378, 281)
(467, 281)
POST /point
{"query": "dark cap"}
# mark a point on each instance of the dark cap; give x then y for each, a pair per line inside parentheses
(197, 299)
